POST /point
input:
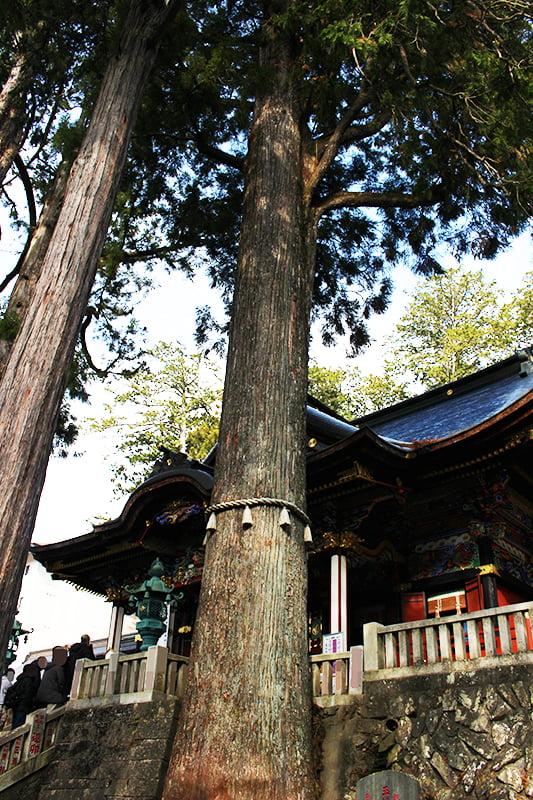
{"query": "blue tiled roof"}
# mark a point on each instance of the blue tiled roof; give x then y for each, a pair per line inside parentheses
(452, 411)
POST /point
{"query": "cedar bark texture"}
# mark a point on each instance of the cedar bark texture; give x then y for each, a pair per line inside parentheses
(245, 731)
(34, 378)
(13, 122)
(30, 269)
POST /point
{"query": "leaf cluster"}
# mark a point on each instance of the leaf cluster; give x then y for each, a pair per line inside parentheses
(172, 401)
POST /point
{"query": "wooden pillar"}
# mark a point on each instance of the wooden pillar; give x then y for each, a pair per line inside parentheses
(115, 628)
(488, 576)
(172, 626)
(338, 616)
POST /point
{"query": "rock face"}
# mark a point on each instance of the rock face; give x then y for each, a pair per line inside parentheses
(464, 736)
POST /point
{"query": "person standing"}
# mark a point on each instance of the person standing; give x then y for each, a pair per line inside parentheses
(20, 697)
(82, 649)
(7, 681)
(52, 689)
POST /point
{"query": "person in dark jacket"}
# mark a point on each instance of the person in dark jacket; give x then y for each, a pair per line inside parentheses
(24, 690)
(53, 688)
(82, 649)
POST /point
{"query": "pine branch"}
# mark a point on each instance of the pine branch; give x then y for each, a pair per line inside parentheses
(32, 213)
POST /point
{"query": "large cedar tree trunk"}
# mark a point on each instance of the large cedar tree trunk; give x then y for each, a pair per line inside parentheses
(245, 729)
(34, 378)
(32, 260)
(13, 119)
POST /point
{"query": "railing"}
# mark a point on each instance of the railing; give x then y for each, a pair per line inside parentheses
(132, 677)
(334, 676)
(493, 632)
(412, 646)
(28, 745)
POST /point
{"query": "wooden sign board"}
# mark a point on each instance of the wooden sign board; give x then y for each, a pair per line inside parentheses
(388, 785)
(37, 733)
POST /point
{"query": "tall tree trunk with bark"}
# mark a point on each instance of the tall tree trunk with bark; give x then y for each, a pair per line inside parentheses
(34, 378)
(245, 731)
(29, 265)
(13, 119)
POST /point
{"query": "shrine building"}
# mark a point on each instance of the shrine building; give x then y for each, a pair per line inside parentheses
(421, 510)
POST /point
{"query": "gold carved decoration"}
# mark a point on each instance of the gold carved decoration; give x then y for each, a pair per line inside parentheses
(341, 539)
(114, 595)
(488, 569)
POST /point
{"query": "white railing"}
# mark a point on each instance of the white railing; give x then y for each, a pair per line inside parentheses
(492, 632)
(27, 745)
(140, 674)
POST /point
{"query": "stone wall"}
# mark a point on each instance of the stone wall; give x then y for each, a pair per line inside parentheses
(463, 735)
(108, 752)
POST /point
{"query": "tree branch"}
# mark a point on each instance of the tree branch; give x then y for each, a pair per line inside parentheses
(28, 189)
(220, 156)
(376, 200)
(130, 257)
(332, 143)
(32, 221)
(106, 371)
(356, 133)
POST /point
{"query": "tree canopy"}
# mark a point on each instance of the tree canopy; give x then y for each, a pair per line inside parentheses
(454, 325)
(416, 120)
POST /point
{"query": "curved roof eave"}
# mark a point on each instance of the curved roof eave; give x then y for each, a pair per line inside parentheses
(467, 404)
(388, 447)
(505, 418)
(199, 479)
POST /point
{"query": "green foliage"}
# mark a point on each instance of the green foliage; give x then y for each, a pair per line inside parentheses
(381, 391)
(423, 111)
(9, 325)
(328, 386)
(172, 401)
(520, 313)
(454, 326)
(352, 394)
(412, 100)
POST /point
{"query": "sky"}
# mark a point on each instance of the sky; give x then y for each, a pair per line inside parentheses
(79, 491)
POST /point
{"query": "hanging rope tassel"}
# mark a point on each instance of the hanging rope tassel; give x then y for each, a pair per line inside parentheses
(210, 527)
(284, 518)
(250, 502)
(247, 520)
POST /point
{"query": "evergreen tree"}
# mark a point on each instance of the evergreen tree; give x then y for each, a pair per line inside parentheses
(37, 370)
(330, 387)
(519, 312)
(375, 132)
(351, 394)
(454, 325)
